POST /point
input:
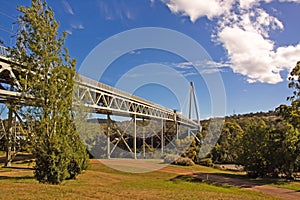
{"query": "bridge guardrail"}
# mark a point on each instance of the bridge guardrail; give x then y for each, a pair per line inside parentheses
(3, 51)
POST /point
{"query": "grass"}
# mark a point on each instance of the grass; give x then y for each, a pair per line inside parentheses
(101, 182)
(278, 182)
(282, 183)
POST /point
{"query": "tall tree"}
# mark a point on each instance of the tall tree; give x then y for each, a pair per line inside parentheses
(227, 147)
(295, 82)
(269, 148)
(49, 79)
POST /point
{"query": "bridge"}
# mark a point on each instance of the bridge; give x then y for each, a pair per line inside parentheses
(106, 100)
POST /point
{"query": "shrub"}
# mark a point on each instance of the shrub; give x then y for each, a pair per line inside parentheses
(206, 162)
(183, 161)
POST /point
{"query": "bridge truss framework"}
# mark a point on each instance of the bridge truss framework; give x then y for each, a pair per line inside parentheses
(103, 99)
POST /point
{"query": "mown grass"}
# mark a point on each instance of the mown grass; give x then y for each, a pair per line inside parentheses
(282, 183)
(278, 182)
(101, 182)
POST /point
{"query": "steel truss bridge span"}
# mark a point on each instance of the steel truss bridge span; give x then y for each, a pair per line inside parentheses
(105, 99)
(101, 99)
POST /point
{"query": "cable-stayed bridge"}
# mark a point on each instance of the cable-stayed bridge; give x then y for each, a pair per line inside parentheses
(103, 99)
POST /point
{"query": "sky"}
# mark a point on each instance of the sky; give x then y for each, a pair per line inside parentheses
(252, 45)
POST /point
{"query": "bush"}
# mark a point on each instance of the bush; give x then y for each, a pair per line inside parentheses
(170, 158)
(206, 162)
(183, 161)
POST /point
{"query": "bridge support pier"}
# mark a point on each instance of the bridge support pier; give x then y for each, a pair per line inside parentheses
(108, 136)
(134, 136)
(8, 156)
(162, 136)
(177, 131)
(144, 139)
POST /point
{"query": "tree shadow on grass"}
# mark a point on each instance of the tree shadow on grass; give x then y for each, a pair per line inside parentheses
(16, 178)
(19, 158)
(196, 179)
(186, 178)
(257, 181)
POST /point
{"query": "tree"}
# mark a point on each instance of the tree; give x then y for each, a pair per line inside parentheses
(227, 147)
(49, 79)
(295, 82)
(269, 150)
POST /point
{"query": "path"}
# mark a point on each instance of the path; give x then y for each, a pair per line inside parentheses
(273, 191)
(141, 166)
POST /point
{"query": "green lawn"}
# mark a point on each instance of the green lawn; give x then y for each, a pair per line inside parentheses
(278, 182)
(101, 182)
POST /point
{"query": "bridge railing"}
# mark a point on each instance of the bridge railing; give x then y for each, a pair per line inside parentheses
(97, 85)
(93, 85)
(3, 51)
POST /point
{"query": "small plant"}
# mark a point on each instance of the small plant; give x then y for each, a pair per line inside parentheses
(206, 162)
(183, 161)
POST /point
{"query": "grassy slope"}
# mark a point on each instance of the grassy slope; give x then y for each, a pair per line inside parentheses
(282, 183)
(101, 182)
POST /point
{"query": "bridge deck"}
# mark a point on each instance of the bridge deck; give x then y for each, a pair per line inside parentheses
(100, 97)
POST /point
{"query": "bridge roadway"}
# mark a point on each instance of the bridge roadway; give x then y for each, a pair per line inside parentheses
(99, 97)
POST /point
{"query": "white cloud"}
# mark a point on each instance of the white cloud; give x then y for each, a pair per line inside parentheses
(246, 4)
(196, 9)
(68, 9)
(134, 52)
(250, 55)
(243, 30)
(287, 56)
(245, 36)
(116, 11)
(77, 26)
(295, 1)
(184, 65)
(204, 67)
(69, 32)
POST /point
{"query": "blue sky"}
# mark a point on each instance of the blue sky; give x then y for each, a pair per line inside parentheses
(252, 44)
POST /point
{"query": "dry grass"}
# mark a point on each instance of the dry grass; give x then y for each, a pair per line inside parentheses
(101, 182)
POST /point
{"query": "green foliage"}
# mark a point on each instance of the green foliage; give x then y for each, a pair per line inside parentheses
(178, 160)
(290, 113)
(295, 82)
(49, 78)
(227, 147)
(269, 150)
(206, 162)
(184, 161)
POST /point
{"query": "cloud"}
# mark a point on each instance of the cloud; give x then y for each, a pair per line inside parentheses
(245, 36)
(243, 29)
(203, 67)
(70, 32)
(294, 1)
(196, 9)
(251, 55)
(77, 26)
(116, 10)
(134, 52)
(246, 4)
(68, 9)
(183, 65)
(287, 56)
